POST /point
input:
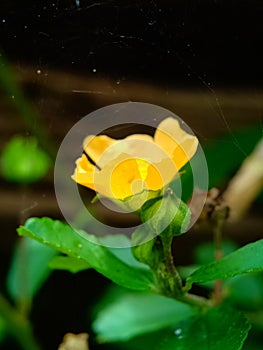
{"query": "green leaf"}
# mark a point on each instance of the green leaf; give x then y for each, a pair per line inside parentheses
(246, 259)
(29, 269)
(23, 161)
(79, 244)
(68, 263)
(185, 271)
(219, 328)
(124, 250)
(254, 340)
(167, 212)
(131, 314)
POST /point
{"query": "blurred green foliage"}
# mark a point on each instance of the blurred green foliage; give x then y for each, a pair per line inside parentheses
(22, 160)
(28, 270)
(126, 314)
(220, 328)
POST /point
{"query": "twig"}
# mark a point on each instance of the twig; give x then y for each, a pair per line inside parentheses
(246, 184)
(218, 219)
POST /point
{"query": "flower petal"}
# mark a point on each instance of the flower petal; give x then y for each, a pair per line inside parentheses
(143, 137)
(84, 172)
(116, 178)
(183, 153)
(94, 146)
(136, 147)
(175, 141)
(125, 176)
(160, 174)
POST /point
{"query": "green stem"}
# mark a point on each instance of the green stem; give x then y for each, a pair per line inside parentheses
(172, 275)
(171, 282)
(18, 326)
(197, 301)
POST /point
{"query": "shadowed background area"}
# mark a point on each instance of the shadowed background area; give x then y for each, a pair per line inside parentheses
(172, 42)
(200, 59)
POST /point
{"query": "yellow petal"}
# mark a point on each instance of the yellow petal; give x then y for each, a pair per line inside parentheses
(175, 141)
(160, 174)
(143, 137)
(84, 172)
(143, 147)
(94, 146)
(117, 177)
(136, 147)
(183, 153)
(143, 166)
(154, 180)
(126, 176)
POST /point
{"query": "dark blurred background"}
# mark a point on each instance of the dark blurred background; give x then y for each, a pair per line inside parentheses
(173, 42)
(200, 59)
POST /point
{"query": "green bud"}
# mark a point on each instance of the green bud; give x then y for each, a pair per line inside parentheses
(166, 214)
(145, 248)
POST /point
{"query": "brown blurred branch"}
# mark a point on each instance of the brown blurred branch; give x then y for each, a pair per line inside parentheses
(74, 342)
(246, 184)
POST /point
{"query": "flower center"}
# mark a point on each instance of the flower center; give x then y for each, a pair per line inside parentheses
(143, 166)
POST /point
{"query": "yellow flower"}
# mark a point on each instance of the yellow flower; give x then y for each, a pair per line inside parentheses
(119, 169)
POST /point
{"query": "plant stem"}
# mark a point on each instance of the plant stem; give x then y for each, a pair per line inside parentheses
(176, 286)
(196, 301)
(218, 221)
(173, 275)
(174, 280)
(18, 326)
